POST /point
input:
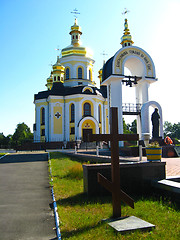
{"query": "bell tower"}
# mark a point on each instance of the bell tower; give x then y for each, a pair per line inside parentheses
(143, 74)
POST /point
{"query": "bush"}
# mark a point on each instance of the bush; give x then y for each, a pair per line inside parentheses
(75, 172)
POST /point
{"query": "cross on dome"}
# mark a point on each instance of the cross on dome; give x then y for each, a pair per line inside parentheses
(75, 12)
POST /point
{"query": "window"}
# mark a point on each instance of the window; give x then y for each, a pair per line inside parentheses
(34, 127)
(42, 116)
(72, 130)
(72, 112)
(87, 109)
(58, 78)
(67, 73)
(42, 132)
(87, 91)
(90, 75)
(54, 78)
(76, 36)
(99, 112)
(80, 73)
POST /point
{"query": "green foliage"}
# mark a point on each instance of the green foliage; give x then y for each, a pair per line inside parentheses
(5, 141)
(75, 171)
(133, 126)
(130, 128)
(153, 145)
(172, 130)
(21, 134)
(125, 127)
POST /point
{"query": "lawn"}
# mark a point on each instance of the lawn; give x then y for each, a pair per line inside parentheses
(81, 217)
(2, 154)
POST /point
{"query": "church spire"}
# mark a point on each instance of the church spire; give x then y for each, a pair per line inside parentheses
(126, 39)
(75, 34)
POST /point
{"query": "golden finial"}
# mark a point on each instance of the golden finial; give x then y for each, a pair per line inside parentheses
(126, 39)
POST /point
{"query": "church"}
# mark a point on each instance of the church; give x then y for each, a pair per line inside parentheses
(73, 106)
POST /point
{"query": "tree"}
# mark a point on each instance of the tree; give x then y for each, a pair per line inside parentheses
(5, 142)
(168, 129)
(172, 130)
(176, 130)
(125, 127)
(22, 134)
(2, 138)
(133, 126)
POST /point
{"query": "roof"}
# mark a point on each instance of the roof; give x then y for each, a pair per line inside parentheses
(107, 69)
(59, 89)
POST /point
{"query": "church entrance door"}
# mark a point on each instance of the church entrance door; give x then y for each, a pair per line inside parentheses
(85, 134)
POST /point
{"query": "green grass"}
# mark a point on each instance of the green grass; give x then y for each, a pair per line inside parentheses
(81, 217)
(2, 154)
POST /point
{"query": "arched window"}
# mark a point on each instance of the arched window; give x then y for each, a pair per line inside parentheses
(42, 116)
(58, 78)
(90, 75)
(79, 73)
(76, 36)
(67, 73)
(54, 78)
(99, 112)
(87, 109)
(72, 112)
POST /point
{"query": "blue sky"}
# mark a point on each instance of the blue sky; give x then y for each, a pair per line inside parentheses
(31, 30)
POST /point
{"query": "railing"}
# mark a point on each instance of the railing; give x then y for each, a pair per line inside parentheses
(131, 108)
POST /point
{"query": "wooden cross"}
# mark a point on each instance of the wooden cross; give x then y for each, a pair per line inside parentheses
(114, 186)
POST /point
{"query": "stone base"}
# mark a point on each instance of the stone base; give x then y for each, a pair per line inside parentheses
(131, 223)
(135, 178)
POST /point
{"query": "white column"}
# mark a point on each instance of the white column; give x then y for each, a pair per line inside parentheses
(116, 101)
(139, 130)
(138, 93)
(145, 94)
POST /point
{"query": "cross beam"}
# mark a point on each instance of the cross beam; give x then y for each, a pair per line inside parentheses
(114, 186)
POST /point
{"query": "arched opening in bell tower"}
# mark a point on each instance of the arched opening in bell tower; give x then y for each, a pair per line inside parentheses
(131, 100)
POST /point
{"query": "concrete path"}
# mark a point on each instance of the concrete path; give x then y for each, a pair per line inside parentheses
(25, 196)
(172, 166)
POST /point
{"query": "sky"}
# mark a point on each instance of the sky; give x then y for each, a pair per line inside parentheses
(31, 30)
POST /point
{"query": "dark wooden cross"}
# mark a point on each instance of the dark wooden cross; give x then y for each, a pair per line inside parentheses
(114, 186)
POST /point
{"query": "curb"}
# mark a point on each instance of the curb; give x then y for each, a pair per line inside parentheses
(54, 204)
(4, 155)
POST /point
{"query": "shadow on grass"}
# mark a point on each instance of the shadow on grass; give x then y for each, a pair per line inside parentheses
(83, 199)
(79, 231)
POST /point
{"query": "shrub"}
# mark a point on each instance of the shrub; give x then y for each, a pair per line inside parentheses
(75, 172)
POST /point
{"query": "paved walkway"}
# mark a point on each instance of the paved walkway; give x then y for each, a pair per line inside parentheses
(25, 196)
(172, 166)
